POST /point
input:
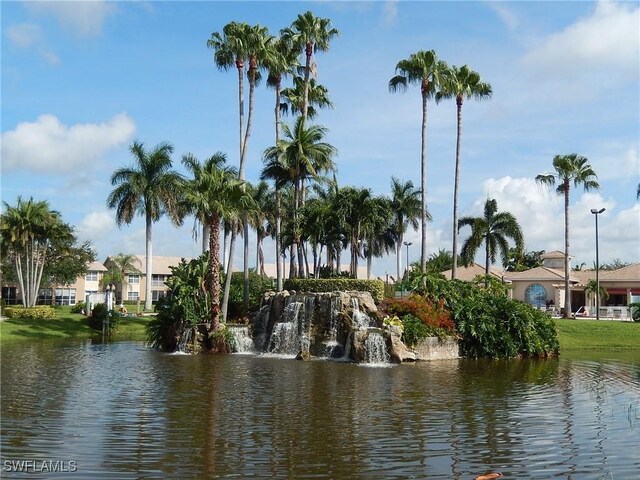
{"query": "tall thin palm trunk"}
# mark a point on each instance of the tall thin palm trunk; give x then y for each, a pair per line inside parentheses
(149, 264)
(214, 271)
(456, 184)
(423, 179)
(567, 291)
(279, 265)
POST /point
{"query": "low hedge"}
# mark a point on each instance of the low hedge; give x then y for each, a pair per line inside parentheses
(374, 287)
(42, 311)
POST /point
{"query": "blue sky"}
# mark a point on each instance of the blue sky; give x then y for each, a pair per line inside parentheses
(82, 80)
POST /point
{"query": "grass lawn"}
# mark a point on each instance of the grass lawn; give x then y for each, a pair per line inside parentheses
(67, 325)
(598, 335)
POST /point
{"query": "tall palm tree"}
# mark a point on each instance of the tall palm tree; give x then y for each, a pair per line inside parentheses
(118, 268)
(459, 83)
(353, 206)
(219, 192)
(150, 188)
(280, 63)
(300, 154)
(638, 192)
(494, 229)
(241, 42)
(425, 69)
(406, 207)
(312, 34)
(572, 168)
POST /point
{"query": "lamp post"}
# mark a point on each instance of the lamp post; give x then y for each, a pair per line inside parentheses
(408, 244)
(597, 212)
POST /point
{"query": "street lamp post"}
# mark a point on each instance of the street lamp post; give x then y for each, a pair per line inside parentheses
(406, 244)
(597, 212)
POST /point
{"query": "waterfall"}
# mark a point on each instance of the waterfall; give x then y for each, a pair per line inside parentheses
(242, 342)
(375, 348)
(185, 338)
(332, 347)
(285, 338)
(260, 328)
(362, 319)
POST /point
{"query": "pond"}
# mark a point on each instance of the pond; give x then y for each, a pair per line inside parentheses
(120, 410)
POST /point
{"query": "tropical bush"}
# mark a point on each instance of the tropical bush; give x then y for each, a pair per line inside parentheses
(634, 309)
(488, 322)
(186, 307)
(432, 314)
(100, 314)
(375, 287)
(30, 312)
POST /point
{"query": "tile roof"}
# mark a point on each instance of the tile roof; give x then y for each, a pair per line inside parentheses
(541, 274)
(630, 272)
(160, 264)
(553, 254)
(96, 267)
(468, 274)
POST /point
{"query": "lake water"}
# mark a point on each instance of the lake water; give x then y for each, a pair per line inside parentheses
(119, 410)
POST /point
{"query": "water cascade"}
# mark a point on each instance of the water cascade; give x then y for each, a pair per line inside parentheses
(242, 341)
(331, 325)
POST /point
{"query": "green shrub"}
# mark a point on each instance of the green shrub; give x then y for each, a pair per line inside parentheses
(257, 287)
(413, 330)
(634, 309)
(78, 307)
(42, 311)
(375, 287)
(100, 314)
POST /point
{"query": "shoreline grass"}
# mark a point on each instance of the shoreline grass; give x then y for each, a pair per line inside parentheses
(67, 325)
(583, 335)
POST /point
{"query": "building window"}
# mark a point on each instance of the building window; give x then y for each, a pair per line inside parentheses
(158, 280)
(157, 295)
(64, 296)
(535, 295)
(134, 278)
(132, 296)
(91, 276)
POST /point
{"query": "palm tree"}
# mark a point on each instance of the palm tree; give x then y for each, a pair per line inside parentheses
(279, 63)
(318, 96)
(376, 230)
(197, 169)
(638, 192)
(569, 169)
(353, 206)
(312, 34)
(259, 219)
(150, 188)
(406, 207)
(301, 154)
(241, 42)
(440, 261)
(592, 288)
(425, 69)
(460, 83)
(27, 232)
(118, 268)
(494, 228)
(219, 192)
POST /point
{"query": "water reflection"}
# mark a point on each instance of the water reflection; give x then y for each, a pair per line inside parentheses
(122, 411)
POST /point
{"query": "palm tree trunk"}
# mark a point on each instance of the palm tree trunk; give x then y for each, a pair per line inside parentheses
(369, 261)
(214, 271)
(567, 291)
(278, 196)
(149, 264)
(227, 280)
(487, 254)
(456, 183)
(423, 180)
(399, 257)
(307, 70)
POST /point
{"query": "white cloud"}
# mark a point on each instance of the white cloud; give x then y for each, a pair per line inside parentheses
(29, 35)
(85, 18)
(47, 145)
(541, 216)
(95, 226)
(389, 12)
(508, 17)
(607, 39)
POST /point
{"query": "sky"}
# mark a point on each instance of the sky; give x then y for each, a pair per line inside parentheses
(82, 80)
